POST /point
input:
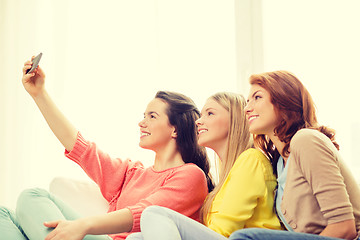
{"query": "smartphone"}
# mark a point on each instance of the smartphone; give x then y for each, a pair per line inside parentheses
(35, 62)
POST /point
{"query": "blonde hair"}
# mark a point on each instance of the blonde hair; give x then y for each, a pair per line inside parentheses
(239, 139)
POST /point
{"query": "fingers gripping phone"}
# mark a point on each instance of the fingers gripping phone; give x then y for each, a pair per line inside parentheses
(35, 63)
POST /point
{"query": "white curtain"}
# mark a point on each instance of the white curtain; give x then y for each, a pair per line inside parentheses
(104, 61)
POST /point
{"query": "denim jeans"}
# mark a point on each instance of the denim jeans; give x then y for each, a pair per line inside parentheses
(159, 223)
(34, 207)
(267, 234)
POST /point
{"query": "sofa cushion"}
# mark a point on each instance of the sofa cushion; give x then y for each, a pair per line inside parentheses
(83, 196)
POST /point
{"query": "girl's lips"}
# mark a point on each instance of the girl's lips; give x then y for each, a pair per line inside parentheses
(252, 117)
(144, 134)
(200, 131)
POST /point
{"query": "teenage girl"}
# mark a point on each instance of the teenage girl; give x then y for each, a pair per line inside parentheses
(317, 196)
(179, 178)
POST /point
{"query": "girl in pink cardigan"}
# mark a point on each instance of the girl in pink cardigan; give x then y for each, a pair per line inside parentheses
(179, 178)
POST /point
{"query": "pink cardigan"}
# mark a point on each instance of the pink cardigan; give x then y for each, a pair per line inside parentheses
(127, 184)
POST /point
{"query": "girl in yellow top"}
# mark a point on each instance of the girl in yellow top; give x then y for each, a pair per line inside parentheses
(243, 197)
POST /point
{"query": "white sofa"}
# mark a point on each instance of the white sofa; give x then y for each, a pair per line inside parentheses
(83, 196)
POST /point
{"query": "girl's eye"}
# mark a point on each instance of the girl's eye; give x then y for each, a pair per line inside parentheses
(152, 116)
(257, 97)
(210, 113)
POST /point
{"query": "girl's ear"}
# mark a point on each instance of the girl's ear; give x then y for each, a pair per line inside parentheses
(174, 133)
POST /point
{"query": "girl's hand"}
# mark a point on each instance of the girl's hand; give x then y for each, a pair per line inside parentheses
(66, 230)
(33, 82)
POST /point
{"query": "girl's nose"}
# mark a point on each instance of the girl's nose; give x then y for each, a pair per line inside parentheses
(198, 121)
(142, 123)
(248, 107)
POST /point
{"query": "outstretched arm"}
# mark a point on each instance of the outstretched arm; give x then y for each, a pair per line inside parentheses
(110, 223)
(34, 84)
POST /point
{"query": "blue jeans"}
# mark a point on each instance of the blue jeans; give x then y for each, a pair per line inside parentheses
(34, 207)
(267, 234)
(159, 223)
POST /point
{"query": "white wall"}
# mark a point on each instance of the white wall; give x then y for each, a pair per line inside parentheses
(104, 62)
(319, 42)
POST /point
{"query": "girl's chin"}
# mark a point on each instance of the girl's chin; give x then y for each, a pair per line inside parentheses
(203, 143)
(146, 146)
(142, 145)
(254, 130)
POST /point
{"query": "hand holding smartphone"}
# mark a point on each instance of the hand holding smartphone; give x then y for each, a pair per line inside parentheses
(35, 63)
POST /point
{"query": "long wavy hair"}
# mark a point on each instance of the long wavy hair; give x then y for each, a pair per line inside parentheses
(182, 113)
(294, 107)
(239, 139)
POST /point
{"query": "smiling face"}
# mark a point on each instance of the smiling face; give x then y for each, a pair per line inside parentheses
(213, 126)
(155, 129)
(260, 112)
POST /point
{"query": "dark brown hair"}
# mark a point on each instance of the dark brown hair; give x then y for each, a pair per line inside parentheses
(182, 113)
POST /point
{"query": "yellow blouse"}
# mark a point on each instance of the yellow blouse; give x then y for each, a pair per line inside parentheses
(247, 196)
